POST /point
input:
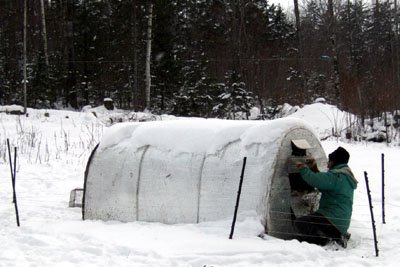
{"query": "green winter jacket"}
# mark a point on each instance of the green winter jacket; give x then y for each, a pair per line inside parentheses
(337, 190)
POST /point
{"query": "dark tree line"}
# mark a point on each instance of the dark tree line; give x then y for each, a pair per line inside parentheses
(208, 58)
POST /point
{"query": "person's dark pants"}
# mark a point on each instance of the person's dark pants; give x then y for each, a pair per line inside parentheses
(316, 229)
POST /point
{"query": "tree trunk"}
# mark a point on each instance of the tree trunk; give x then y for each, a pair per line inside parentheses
(70, 90)
(300, 55)
(297, 16)
(335, 62)
(148, 55)
(44, 33)
(396, 46)
(135, 87)
(25, 56)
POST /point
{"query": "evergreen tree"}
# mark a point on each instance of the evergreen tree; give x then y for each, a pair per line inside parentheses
(235, 101)
(191, 52)
(352, 38)
(165, 67)
(97, 49)
(379, 91)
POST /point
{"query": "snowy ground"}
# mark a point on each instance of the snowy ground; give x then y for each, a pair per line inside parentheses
(52, 154)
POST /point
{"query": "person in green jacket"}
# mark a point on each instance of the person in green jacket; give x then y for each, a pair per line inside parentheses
(332, 219)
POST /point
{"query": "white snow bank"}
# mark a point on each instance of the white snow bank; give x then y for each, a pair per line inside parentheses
(11, 108)
(324, 118)
(197, 136)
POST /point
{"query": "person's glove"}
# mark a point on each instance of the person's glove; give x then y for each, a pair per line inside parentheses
(312, 164)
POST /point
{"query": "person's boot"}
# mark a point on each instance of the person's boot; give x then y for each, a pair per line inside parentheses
(343, 240)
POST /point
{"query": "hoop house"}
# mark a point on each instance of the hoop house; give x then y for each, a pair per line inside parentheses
(187, 171)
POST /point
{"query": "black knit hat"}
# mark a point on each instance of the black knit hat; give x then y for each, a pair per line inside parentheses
(339, 156)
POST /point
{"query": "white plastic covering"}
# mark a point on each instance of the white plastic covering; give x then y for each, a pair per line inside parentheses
(188, 171)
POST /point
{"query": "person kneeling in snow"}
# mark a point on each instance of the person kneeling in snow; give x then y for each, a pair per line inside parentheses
(332, 219)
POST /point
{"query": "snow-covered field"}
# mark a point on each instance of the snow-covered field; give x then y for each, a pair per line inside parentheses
(52, 154)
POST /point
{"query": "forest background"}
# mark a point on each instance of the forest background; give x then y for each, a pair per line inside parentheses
(206, 58)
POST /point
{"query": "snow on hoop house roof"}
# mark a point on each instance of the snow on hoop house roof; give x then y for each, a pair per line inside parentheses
(187, 171)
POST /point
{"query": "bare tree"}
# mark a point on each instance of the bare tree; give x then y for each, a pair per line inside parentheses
(25, 57)
(299, 43)
(44, 33)
(148, 55)
(135, 58)
(333, 39)
(396, 43)
(297, 16)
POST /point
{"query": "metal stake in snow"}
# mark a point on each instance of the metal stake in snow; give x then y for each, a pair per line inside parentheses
(13, 174)
(238, 198)
(383, 188)
(372, 214)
